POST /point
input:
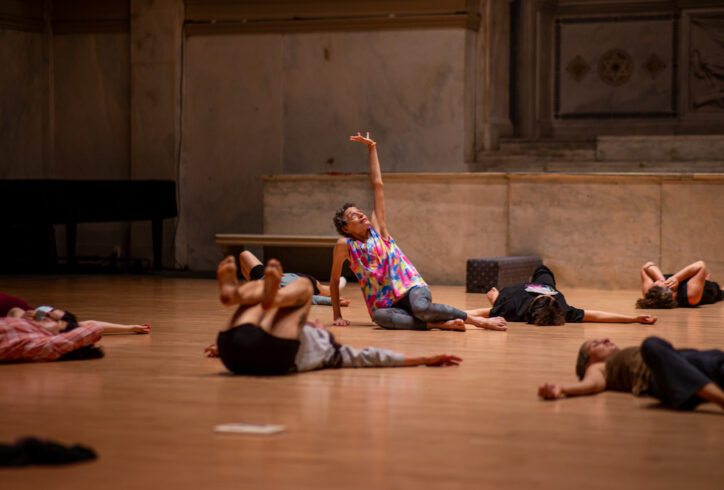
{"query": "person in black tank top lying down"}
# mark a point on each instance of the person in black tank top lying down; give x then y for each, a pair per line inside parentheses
(269, 333)
(688, 288)
(539, 302)
(680, 378)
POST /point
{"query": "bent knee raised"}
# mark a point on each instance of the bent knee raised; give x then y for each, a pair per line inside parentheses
(652, 344)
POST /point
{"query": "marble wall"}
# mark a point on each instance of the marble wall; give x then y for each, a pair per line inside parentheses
(91, 106)
(232, 124)
(287, 103)
(407, 86)
(593, 230)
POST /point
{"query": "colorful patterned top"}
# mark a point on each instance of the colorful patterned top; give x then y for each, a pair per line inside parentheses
(384, 273)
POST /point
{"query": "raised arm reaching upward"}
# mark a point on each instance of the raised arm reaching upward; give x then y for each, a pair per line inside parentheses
(378, 214)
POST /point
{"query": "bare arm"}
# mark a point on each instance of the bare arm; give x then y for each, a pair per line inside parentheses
(378, 214)
(649, 274)
(593, 382)
(340, 254)
(439, 360)
(696, 274)
(607, 317)
(118, 328)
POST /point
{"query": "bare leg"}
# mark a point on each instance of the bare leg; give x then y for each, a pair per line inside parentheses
(230, 292)
(456, 324)
(492, 295)
(712, 393)
(272, 280)
(324, 290)
(260, 294)
(285, 321)
(248, 261)
(495, 323)
(479, 317)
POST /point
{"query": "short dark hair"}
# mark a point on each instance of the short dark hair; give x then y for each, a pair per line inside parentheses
(340, 221)
(657, 297)
(582, 361)
(81, 353)
(544, 311)
(71, 321)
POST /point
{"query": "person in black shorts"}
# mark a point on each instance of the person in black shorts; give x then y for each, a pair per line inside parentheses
(253, 270)
(269, 333)
(539, 302)
(688, 288)
(680, 378)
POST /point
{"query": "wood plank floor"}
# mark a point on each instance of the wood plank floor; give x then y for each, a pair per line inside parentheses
(149, 406)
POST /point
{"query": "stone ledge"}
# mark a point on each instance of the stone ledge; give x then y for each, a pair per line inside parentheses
(481, 176)
(668, 148)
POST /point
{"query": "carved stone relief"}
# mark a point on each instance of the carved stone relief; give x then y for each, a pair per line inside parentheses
(613, 67)
(654, 66)
(578, 68)
(706, 79)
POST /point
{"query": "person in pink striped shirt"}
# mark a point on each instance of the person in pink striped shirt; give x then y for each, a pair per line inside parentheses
(54, 335)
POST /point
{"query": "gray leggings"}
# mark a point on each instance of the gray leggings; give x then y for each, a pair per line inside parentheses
(414, 311)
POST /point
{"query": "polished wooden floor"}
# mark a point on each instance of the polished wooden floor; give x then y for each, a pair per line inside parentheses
(150, 405)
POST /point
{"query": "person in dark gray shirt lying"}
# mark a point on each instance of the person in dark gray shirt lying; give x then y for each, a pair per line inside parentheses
(681, 378)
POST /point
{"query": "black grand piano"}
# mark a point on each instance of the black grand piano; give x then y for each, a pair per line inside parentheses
(33, 206)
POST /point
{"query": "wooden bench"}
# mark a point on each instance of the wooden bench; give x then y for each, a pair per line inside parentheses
(297, 253)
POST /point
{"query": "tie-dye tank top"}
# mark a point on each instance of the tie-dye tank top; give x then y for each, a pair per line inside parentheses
(384, 273)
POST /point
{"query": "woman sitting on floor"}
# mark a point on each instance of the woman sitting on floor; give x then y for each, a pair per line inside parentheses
(269, 334)
(680, 378)
(540, 303)
(396, 295)
(688, 288)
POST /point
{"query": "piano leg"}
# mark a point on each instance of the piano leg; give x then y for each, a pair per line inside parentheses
(70, 239)
(157, 225)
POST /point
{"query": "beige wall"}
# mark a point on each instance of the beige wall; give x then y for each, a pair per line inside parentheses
(216, 94)
(259, 104)
(23, 105)
(91, 105)
(593, 230)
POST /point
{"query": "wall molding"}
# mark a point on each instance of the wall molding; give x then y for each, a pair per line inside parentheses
(448, 21)
(237, 10)
(100, 26)
(673, 110)
(21, 23)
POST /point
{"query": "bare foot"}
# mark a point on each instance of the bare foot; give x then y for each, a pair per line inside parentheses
(228, 285)
(272, 281)
(212, 351)
(456, 324)
(495, 323)
(492, 295)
